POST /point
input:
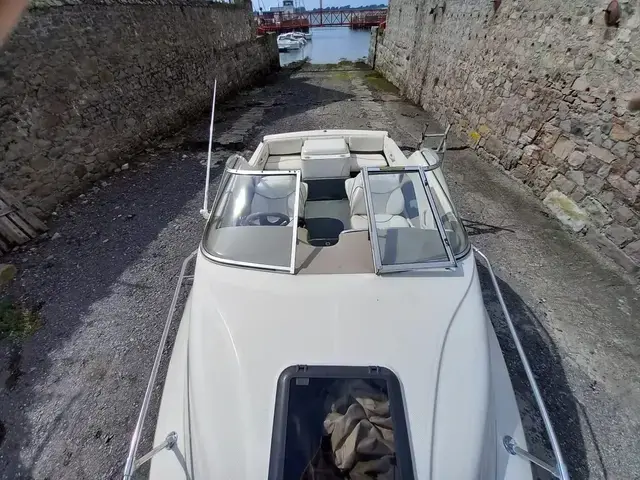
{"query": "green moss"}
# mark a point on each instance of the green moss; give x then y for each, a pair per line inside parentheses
(16, 321)
(341, 65)
(379, 82)
(342, 75)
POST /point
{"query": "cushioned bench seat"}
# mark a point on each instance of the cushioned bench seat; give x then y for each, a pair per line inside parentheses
(360, 160)
(284, 162)
(387, 199)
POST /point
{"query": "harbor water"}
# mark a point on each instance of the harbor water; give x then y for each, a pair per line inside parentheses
(331, 45)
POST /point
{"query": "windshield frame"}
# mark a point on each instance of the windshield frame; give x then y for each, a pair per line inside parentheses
(227, 175)
(379, 267)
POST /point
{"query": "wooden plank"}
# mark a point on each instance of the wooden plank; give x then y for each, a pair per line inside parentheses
(11, 232)
(30, 218)
(3, 247)
(6, 211)
(26, 228)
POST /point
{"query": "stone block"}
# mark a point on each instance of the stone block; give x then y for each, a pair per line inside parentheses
(495, 147)
(549, 136)
(625, 216)
(606, 197)
(619, 167)
(523, 170)
(581, 84)
(620, 134)
(633, 250)
(604, 171)
(542, 176)
(594, 184)
(562, 183)
(601, 153)
(566, 210)
(578, 194)
(598, 214)
(513, 134)
(576, 176)
(619, 235)
(484, 130)
(629, 191)
(563, 148)
(620, 149)
(577, 158)
(510, 160)
(633, 177)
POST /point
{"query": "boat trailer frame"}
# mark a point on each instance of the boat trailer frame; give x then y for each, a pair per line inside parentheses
(559, 471)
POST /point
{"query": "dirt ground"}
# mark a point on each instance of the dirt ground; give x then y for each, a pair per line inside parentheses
(70, 394)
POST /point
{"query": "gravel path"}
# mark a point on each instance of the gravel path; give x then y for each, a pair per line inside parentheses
(69, 397)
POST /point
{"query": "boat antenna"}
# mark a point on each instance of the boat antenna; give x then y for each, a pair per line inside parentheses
(205, 207)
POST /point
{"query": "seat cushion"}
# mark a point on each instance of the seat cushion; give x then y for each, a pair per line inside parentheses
(276, 194)
(367, 143)
(283, 162)
(359, 160)
(324, 147)
(386, 194)
(383, 220)
(285, 146)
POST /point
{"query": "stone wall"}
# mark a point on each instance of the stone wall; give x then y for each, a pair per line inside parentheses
(542, 88)
(82, 84)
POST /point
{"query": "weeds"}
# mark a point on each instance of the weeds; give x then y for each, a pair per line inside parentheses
(16, 321)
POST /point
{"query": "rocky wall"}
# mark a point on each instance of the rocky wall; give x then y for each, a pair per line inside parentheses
(82, 84)
(540, 87)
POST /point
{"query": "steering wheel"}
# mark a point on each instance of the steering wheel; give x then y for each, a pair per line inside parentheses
(266, 219)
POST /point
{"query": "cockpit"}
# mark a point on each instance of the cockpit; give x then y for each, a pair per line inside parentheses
(334, 202)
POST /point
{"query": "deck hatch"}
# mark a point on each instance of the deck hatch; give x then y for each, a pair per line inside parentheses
(338, 421)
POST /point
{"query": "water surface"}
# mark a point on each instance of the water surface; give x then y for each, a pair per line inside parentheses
(330, 45)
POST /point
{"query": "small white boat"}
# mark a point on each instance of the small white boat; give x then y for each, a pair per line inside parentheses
(335, 328)
(299, 36)
(287, 42)
(308, 35)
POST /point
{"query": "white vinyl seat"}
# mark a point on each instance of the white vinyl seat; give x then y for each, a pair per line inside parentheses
(284, 162)
(360, 160)
(388, 201)
(276, 194)
(284, 154)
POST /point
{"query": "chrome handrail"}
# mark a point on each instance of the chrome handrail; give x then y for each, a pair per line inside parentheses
(439, 151)
(560, 470)
(131, 464)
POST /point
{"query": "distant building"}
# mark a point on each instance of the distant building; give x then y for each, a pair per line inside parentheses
(287, 7)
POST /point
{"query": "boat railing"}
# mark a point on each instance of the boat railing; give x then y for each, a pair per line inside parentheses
(439, 151)
(560, 469)
(170, 442)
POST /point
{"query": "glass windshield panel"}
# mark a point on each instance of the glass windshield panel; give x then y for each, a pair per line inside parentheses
(453, 226)
(403, 221)
(253, 219)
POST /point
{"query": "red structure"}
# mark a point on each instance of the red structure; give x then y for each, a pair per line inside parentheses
(281, 22)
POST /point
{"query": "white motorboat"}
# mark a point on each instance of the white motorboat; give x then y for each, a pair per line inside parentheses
(287, 42)
(335, 328)
(299, 36)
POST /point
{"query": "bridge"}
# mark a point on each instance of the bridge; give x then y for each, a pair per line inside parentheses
(281, 22)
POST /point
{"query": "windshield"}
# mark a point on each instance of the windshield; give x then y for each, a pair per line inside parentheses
(411, 221)
(254, 218)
